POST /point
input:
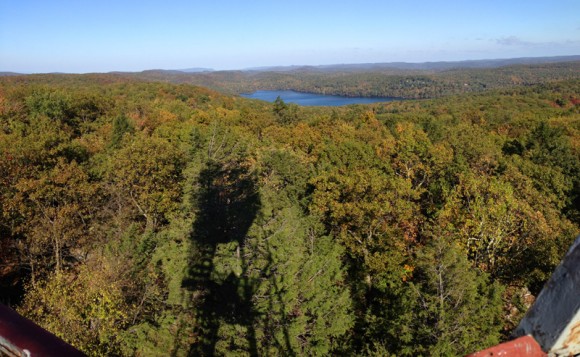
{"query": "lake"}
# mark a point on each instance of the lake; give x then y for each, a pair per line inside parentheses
(311, 99)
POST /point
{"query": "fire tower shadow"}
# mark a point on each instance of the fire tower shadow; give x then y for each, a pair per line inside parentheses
(228, 202)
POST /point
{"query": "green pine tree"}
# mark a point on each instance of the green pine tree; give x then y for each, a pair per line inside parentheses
(455, 309)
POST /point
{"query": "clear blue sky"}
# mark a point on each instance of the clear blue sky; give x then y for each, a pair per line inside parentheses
(127, 35)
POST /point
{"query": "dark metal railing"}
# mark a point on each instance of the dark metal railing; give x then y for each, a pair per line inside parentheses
(20, 337)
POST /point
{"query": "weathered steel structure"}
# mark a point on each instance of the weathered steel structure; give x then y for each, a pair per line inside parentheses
(551, 326)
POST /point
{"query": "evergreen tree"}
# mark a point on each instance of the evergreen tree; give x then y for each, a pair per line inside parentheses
(455, 309)
(301, 303)
(121, 126)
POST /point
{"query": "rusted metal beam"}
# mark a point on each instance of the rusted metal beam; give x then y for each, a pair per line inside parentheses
(554, 319)
(22, 337)
(520, 347)
(551, 326)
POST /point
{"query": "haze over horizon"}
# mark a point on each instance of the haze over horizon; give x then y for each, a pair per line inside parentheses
(79, 37)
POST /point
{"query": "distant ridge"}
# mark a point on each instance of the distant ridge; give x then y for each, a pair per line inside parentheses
(435, 66)
(420, 66)
(196, 70)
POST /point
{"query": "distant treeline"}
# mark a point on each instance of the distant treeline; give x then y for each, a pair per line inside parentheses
(409, 84)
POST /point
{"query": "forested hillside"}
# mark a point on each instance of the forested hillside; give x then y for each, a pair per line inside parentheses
(418, 83)
(157, 219)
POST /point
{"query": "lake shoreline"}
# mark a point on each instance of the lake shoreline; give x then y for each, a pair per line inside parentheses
(313, 99)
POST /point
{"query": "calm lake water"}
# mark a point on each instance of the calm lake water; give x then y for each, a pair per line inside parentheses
(310, 99)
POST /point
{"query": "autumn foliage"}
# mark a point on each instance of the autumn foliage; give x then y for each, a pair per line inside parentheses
(144, 218)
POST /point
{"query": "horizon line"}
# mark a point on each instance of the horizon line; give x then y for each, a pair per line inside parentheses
(196, 69)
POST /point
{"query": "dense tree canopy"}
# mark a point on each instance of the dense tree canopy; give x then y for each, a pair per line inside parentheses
(145, 218)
